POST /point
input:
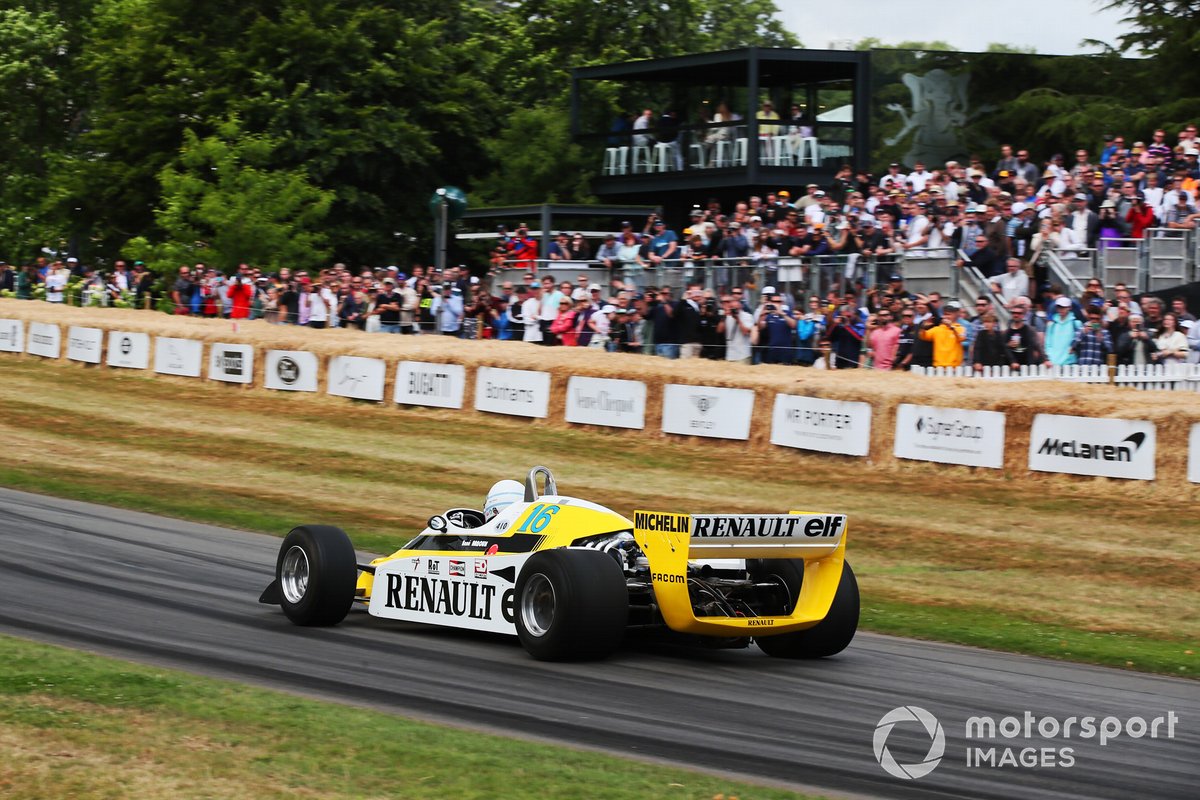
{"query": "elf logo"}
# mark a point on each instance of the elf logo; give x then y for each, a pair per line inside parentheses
(1073, 448)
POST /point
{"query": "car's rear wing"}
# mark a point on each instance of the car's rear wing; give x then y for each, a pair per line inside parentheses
(670, 540)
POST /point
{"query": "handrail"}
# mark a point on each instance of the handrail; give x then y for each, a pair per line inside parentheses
(982, 286)
(1059, 270)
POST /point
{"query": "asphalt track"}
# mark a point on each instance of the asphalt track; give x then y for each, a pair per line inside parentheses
(184, 595)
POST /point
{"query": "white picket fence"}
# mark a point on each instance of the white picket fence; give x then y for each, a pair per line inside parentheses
(1166, 377)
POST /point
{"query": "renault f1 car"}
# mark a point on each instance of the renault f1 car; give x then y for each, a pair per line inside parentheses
(568, 577)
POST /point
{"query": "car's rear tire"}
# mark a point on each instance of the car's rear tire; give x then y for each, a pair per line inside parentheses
(829, 636)
(571, 605)
(316, 573)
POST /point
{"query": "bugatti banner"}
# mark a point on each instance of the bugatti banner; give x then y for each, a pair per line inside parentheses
(128, 350)
(419, 383)
(1110, 448)
(712, 411)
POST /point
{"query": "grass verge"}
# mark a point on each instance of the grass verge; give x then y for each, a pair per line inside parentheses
(1072, 570)
(79, 725)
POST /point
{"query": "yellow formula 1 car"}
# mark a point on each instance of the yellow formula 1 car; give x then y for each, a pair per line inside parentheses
(568, 577)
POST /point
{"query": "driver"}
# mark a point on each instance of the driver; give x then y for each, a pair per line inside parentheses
(501, 496)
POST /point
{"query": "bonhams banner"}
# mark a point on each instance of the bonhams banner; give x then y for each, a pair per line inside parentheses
(950, 435)
(128, 350)
(827, 426)
(178, 356)
(419, 383)
(357, 377)
(1111, 448)
(292, 370)
(713, 411)
(12, 336)
(44, 340)
(602, 401)
(518, 392)
(232, 363)
(83, 344)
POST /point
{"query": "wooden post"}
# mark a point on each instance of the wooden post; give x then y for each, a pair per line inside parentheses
(1112, 368)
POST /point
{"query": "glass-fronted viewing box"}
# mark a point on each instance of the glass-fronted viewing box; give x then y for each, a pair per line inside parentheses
(755, 115)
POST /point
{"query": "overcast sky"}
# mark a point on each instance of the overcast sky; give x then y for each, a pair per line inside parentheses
(1049, 26)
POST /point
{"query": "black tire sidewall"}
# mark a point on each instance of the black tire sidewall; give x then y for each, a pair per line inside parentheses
(332, 575)
(591, 605)
(829, 636)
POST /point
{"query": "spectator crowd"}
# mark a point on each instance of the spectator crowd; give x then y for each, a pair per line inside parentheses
(1003, 221)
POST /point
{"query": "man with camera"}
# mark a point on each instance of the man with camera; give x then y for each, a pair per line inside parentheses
(736, 326)
(946, 335)
(775, 332)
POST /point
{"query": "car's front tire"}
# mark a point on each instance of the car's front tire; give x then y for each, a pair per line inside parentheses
(571, 605)
(829, 636)
(316, 573)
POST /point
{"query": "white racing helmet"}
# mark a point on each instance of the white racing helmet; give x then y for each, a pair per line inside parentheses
(501, 496)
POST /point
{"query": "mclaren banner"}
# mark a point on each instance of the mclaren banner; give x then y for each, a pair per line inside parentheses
(1110, 448)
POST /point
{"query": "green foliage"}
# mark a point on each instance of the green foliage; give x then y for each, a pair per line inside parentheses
(225, 203)
(536, 161)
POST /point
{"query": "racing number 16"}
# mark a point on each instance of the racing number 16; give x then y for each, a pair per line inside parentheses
(538, 518)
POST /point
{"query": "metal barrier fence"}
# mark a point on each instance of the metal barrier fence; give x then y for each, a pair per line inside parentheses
(1166, 257)
(1164, 377)
(1168, 252)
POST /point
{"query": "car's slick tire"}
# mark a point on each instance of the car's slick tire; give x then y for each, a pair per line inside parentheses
(316, 572)
(571, 605)
(829, 636)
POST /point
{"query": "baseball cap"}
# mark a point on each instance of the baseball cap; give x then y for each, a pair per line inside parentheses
(595, 287)
(608, 309)
(819, 193)
(474, 280)
(768, 290)
(784, 193)
(392, 281)
(953, 305)
(1017, 208)
(393, 268)
(579, 294)
(895, 277)
(72, 260)
(868, 223)
(1063, 302)
(1081, 196)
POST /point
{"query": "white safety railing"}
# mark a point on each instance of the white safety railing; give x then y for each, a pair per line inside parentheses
(1168, 251)
(1168, 377)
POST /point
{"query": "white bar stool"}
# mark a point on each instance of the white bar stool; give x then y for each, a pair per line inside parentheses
(641, 158)
(662, 157)
(810, 150)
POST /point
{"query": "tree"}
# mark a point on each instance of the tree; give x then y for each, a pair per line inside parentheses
(1167, 32)
(225, 203)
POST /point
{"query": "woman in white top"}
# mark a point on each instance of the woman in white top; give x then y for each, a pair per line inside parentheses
(1171, 343)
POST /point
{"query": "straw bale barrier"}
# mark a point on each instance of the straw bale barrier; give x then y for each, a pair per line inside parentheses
(1172, 412)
